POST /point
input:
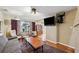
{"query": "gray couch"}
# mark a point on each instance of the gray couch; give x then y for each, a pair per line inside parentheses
(9, 46)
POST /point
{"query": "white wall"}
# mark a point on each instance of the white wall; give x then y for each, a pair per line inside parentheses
(2, 22)
(51, 33)
(65, 29)
(74, 42)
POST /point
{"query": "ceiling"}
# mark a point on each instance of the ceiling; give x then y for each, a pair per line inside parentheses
(24, 12)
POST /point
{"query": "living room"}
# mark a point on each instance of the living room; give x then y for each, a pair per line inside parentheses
(27, 30)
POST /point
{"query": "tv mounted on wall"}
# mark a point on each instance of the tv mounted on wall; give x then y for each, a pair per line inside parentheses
(49, 21)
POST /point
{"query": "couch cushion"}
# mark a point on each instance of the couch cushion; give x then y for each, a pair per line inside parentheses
(3, 42)
(12, 46)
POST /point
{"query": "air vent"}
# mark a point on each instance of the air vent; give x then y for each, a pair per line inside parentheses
(5, 10)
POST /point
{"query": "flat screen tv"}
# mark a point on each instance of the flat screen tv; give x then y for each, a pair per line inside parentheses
(49, 21)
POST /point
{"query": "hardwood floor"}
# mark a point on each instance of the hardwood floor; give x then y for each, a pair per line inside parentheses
(26, 48)
(48, 47)
(61, 47)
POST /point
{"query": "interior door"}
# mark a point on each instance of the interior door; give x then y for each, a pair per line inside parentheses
(14, 25)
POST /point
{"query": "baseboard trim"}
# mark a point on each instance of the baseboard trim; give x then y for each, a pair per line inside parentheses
(51, 43)
(61, 46)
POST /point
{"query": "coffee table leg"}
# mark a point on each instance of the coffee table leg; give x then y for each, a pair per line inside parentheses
(34, 50)
(42, 48)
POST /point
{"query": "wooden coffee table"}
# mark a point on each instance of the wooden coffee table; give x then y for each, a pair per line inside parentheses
(35, 43)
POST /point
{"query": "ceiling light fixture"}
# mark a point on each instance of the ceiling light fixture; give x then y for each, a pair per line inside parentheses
(33, 10)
